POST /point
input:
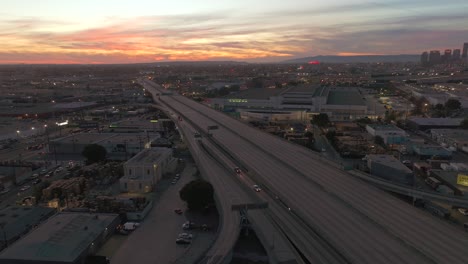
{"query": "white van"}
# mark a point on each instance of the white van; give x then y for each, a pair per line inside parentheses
(130, 226)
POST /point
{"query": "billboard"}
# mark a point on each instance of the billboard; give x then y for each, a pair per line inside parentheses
(462, 179)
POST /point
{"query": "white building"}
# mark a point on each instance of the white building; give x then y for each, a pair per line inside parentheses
(389, 133)
(145, 170)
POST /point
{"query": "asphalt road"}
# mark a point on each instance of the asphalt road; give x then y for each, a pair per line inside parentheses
(364, 224)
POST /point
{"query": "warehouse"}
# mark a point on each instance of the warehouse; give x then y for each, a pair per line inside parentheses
(423, 123)
(389, 168)
(18, 220)
(66, 238)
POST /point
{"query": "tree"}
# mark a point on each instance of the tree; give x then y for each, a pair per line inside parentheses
(321, 120)
(197, 194)
(464, 123)
(94, 153)
(452, 105)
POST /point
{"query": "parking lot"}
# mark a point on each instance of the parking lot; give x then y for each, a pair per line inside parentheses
(154, 241)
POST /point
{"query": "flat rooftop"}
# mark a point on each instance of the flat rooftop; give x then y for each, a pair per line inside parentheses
(456, 134)
(388, 160)
(256, 93)
(18, 219)
(442, 121)
(345, 97)
(302, 89)
(385, 127)
(62, 238)
(151, 155)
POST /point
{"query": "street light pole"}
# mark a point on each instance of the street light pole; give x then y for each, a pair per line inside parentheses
(5, 241)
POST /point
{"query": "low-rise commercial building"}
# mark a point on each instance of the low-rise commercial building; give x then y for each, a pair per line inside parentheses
(389, 168)
(451, 138)
(391, 134)
(431, 152)
(142, 172)
(423, 123)
(65, 238)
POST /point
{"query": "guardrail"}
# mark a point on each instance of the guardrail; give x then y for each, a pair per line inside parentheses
(415, 193)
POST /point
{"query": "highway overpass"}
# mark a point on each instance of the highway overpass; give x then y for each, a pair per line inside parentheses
(355, 221)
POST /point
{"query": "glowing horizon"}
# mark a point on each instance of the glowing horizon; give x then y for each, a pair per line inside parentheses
(120, 31)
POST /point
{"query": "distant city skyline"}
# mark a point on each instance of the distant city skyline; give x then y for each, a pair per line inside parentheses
(120, 31)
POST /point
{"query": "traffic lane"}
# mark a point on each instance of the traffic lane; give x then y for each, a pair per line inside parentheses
(332, 170)
(154, 240)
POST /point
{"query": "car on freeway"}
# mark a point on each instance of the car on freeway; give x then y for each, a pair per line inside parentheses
(178, 211)
(237, 170)
(256, 188)
(25, 188)
(188, 225)
(463, 211)
(205, 227)
(183, 241)
(185, 236)
(36, 181)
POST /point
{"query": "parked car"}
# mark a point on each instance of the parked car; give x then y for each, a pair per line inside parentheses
(463, 211)
(178, 211)
(185, 236)
(183, 241)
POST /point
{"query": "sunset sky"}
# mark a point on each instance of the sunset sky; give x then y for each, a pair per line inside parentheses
(122, 31)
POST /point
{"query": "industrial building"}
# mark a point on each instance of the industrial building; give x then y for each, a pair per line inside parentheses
(389, 168)
(431, 152)
(423, 123)
(119, 146)
(391, 134)
(18, 220)
(295, 103)
(63, 239)
(142, 172)
(456, 139)
(455, 180)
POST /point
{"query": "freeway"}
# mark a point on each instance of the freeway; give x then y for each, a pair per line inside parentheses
(363, 223)
(228, 194)
(272, 224)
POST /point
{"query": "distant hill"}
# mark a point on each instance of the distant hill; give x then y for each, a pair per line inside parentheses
(354, 59)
